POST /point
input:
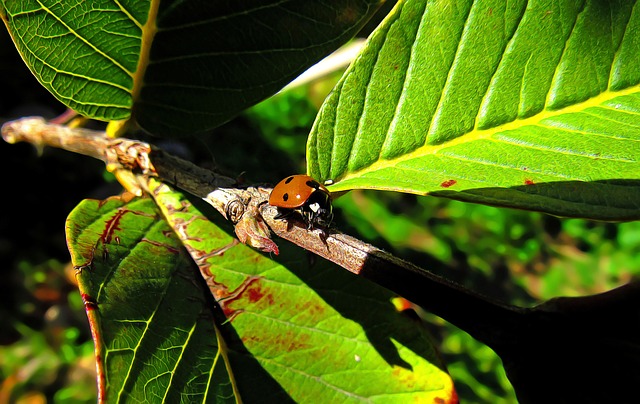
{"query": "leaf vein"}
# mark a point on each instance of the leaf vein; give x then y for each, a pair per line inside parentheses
(447, 83)
(556, 72)
(401, 96)
(82, 39)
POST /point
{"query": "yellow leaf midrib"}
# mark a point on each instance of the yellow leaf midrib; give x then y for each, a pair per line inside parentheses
(149, 30)
(485, 134)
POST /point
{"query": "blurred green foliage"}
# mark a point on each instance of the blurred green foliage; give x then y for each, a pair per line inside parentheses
(46, 353)
(514, 256)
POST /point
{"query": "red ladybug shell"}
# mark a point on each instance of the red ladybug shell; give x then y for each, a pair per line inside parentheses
(293, 191)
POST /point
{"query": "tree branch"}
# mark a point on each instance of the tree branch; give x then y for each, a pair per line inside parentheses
(249, 211)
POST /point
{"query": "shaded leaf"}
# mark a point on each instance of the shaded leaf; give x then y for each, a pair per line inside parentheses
(152, 324)
(520, 104)
(182, 66)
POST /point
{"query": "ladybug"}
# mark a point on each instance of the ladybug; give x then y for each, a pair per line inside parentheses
(303, 195)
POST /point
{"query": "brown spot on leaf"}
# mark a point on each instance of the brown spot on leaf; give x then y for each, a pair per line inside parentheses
(448, 183)
(112, 225)
(225, 298)
(290, 341)
(528, 182)
(297, 342)
(169, 248)
(255, 295)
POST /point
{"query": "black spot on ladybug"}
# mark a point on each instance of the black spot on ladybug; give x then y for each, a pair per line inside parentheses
(313, 184)
(285, 197)
(288, 180)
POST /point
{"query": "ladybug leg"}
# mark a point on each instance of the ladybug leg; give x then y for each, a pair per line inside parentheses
(283, 213)
(307, 217)
(313, 215)
(312, 220)
(329, 218)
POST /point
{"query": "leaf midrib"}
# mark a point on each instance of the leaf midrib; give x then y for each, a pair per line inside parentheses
(149, 30)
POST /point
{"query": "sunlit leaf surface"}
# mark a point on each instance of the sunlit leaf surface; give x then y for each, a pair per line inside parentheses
(533, 105)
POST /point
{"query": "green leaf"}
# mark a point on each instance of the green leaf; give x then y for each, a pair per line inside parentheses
(152, 325)
(533, 105)
(321, 333)
(293, 330)
(85, 56)
(182, 66)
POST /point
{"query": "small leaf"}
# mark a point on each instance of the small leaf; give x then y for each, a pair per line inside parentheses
(153, 328)
(321, 333)
(182, 66)
(527, 105)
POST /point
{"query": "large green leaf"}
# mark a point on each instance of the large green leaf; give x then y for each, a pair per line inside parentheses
(153, 329)
(182, 66)
(534, 105)
(323, 334)
(292, 330)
